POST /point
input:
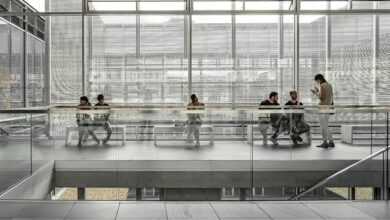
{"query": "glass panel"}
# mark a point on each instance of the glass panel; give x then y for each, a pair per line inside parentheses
(217, 5)
(5, 73)
(268, 5)
(162, 76)
(17, 71)
(15, 157)
(312, 53)
(263, 65)
(324, 5)
(162, 6)
(65, 58)
(382, 70)
(212, 64)
(351, 59)
(111, 6)
(57, 5)
(113, 48)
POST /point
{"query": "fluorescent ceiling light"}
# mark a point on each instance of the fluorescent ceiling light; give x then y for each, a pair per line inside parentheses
(39, 5)
(112, 6)
(162, 6)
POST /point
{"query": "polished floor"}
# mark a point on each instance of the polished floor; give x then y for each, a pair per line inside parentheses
(330, 210)
(43, 149)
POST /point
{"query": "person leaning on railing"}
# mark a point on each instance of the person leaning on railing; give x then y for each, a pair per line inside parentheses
(194, 121)
(84, 121)
(324, 92)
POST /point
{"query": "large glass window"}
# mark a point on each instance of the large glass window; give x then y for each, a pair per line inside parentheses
(66, 58)
(112, 56)
(17, 72)
(5, 76)
(264, 61)
(351, 59)
(162, 74)
(382, 71)
(212, 61)
(36, 90)
(312, 53)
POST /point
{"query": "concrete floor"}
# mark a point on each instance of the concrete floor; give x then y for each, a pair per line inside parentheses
(330, 210)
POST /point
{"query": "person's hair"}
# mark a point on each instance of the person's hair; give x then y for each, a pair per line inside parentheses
(193, 96)
(319, 77)
(100, 97)
(272, 94)
(293, 92)
(84, 98)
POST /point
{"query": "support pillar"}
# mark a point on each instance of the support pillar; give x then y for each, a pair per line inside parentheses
(138, 194)
(80, 193)
(243, 193)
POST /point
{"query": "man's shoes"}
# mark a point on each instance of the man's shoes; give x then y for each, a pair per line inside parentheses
(105, 141)
(323, 145)
(331, 144)
(298, 138)
(274, 140)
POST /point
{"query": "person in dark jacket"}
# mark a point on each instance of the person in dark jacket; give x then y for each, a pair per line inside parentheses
(103, 119)
(296, 120)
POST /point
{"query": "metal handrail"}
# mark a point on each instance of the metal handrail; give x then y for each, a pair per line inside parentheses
(210, 107)
(327, 179)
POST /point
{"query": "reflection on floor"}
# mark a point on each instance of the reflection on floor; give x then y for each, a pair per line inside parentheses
(55, 149)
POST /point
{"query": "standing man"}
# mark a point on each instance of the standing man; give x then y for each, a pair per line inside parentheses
(194, 121)
(103, 119)
(324, 92)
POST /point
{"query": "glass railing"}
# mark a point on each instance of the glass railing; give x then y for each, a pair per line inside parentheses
(215, 153)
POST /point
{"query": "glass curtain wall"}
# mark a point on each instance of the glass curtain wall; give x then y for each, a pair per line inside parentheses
(227, 52)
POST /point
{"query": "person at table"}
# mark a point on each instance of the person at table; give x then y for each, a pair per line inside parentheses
(275, 119)
(84, 121)
(324, 92)
(103, 119)
(194, 121)
(296, 120)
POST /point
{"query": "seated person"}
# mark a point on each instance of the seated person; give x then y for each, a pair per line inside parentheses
(194, 121)
(103, 119)
(275, 119)
(84, 121)
(296, 120)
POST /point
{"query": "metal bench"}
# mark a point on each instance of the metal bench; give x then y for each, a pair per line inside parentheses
(120, 128)
(252, 132)
(363, 134)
